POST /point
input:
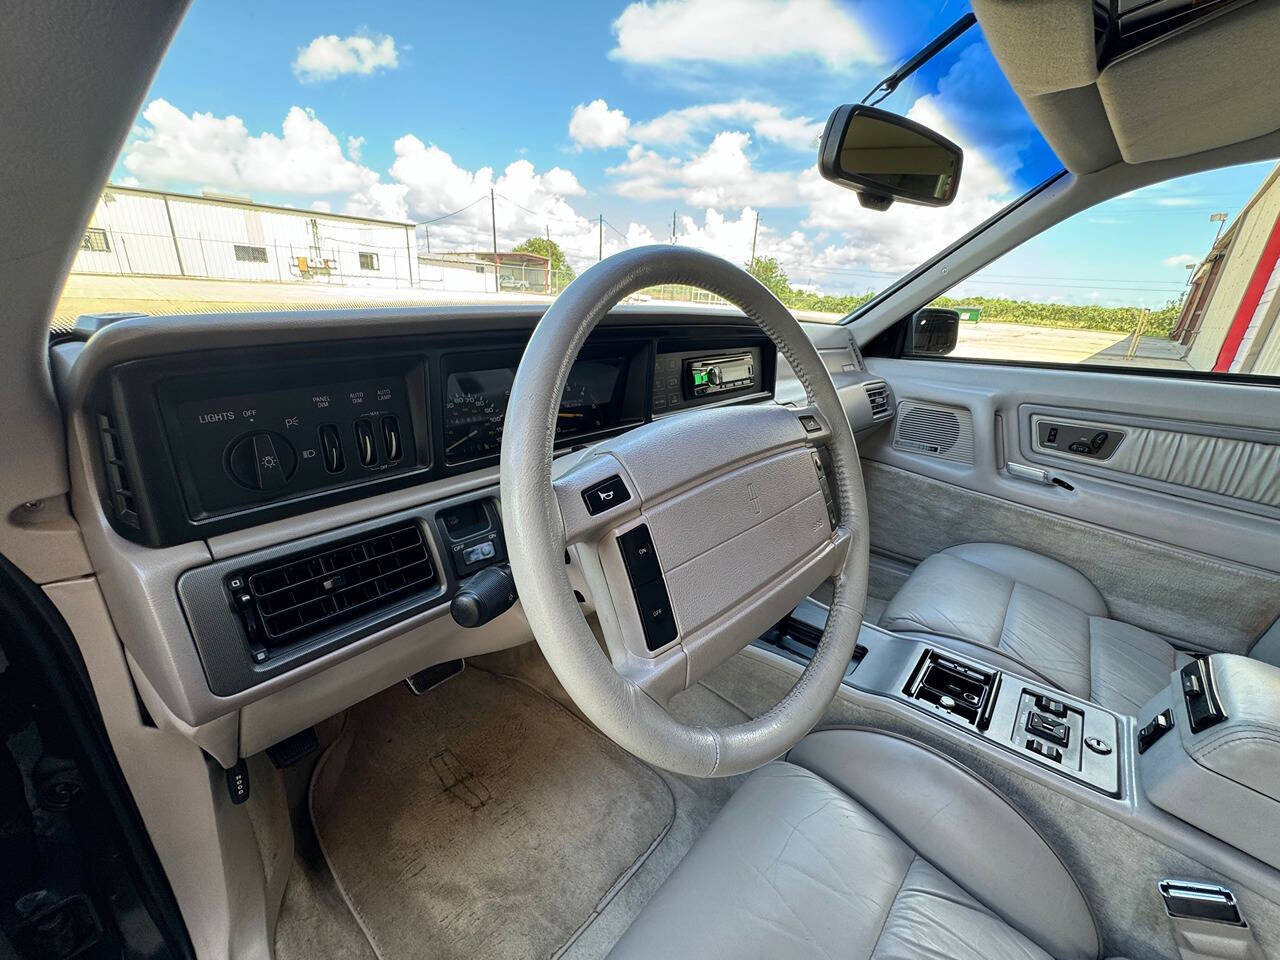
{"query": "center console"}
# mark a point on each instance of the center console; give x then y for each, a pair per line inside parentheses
(1075, 738)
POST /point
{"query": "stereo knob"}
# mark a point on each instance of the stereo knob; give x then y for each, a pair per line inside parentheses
(714, 376)
(261, 461)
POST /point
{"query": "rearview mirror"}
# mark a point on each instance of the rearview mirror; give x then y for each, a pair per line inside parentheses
(885, 157)
(934, 332)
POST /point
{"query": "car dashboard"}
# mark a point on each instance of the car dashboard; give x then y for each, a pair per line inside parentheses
(280, 507)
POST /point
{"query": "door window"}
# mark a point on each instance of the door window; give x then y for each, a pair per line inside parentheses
(1180, 277)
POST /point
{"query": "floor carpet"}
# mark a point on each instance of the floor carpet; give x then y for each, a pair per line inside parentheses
(482, 820)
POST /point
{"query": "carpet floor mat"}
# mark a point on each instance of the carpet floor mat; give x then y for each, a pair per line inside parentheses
(482, 820)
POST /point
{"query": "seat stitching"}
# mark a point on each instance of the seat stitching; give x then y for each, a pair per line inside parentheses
(884, 924)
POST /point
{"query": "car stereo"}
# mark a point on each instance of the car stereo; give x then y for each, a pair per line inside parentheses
(719, 374)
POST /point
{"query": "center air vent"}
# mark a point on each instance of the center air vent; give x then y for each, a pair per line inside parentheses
(878, 396)
(301, 597)
(934, 429)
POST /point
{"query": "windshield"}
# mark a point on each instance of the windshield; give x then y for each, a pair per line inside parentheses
(300, 156)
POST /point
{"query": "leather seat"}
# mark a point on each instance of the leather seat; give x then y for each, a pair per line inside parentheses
(1041, 613)
(866, 846)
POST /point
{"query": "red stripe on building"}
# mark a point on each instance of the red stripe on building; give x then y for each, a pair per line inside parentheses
(1249, 303)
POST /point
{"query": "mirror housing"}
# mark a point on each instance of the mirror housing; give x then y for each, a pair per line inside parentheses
(886, 157)
(934, 332)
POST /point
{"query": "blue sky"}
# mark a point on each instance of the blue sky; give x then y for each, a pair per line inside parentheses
(706, 108)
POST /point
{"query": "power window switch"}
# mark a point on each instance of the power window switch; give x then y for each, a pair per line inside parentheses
(1055, 708)
(1046, 750)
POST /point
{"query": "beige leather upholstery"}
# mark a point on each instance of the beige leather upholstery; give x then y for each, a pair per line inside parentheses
(863, 845)
(1042, 613)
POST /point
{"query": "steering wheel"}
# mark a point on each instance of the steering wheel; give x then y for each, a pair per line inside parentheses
(732, 500)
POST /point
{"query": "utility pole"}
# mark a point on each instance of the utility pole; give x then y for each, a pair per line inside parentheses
(428, 229)
(600, 255)
(548, 259)
(754, 234)
(673, 226)
(497, 268)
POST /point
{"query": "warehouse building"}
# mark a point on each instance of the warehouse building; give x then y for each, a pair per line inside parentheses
(155, 233)
(1230, 320)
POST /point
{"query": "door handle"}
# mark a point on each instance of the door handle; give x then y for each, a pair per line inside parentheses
(1021, 471)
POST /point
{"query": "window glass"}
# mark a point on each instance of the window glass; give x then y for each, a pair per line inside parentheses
(1181, 276)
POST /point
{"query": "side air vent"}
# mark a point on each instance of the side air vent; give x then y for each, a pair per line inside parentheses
(300, 597)
(878, 396)
(936, 430)
(119, 487)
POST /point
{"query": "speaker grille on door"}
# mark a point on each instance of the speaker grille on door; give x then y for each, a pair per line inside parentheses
(935, 430)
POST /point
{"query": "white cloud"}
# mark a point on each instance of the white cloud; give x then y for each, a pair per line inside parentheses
(1176, 201)
(740, 31)
(767, 121)
(594, 125)
(354, 146)
(720, 176)
(306, 158)
(1180, 260)
(332, 56)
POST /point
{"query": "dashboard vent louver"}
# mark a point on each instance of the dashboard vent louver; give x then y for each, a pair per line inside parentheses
(123, 505)
(935, 430)
(300, 597)
(878, 397)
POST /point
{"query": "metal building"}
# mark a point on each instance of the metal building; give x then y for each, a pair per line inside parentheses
(155, 233)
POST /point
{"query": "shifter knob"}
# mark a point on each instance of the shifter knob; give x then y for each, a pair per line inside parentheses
(484, 596)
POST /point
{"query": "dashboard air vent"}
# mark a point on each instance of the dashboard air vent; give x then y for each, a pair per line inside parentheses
(123, 505)
(878, 396)
(935, 430)
(302, 596)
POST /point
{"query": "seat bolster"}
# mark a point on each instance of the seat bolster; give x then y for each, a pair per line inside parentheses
(951, 597)
(1035, 570)
(1129, 664)
(963, 827)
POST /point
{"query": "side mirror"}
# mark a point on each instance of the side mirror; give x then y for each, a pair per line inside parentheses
(934, 331)
(885, 157)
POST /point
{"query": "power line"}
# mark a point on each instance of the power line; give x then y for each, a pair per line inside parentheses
(423, 223)
(617, 231)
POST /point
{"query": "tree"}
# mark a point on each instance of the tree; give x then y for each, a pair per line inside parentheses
(543, 247)
(767, 271)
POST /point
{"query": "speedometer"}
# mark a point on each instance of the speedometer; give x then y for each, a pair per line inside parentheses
(472, 425)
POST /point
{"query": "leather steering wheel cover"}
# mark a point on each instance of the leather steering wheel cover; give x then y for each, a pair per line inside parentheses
(536, 539)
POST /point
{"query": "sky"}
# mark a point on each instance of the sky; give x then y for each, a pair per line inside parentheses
(705, 110)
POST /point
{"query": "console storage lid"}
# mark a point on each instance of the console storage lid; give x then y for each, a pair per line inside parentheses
(1220, 771)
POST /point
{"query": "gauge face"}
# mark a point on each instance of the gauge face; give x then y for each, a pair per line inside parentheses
(475, 406)
(588, 401)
